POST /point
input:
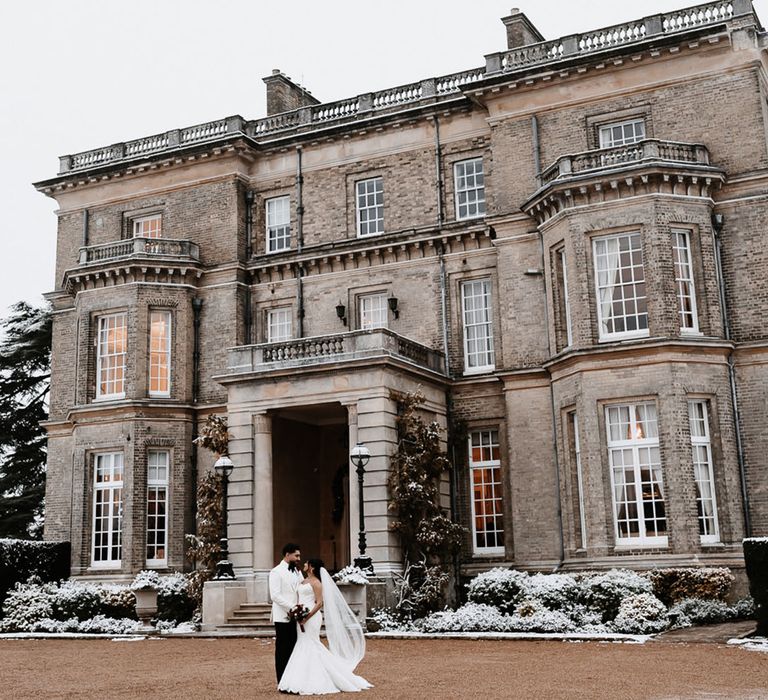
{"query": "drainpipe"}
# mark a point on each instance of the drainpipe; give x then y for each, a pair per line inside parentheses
(197, 307)
(438, 173)
(248, 253)
(299, 242)
(536, 145)
(85, 227)
(717, 227)
(554, 414)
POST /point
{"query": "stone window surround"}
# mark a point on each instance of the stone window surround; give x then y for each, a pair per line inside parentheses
(596, 121)
(351, 299)
(273, 304)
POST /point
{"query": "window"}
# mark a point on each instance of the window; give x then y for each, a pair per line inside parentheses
(158, 462)
(160, 353)
(373, 311)
(564, 333)
(278, 224)
(370, 206)
(478, 332)
(470, 188)
(636, 480)
(111, 348)
(279, 325)
(686, 294)
(148, 226)
(622, 133)
(107, 509)
(706, 503)
(487, 513)
(622, 305)
(577, 479)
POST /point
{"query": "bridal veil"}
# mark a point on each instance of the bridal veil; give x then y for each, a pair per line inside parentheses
(342, 628)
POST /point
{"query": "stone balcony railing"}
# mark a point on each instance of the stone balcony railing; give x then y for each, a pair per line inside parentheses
(632, 32)
(139, 248)
(329, 349)
(602, 159)
(413, 94)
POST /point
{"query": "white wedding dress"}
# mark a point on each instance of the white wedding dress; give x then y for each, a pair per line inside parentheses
(313, 669)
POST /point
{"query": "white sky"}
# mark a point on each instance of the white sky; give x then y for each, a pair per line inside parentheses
(78, 74)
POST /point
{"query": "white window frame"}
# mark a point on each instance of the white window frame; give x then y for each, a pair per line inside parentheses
(685, 285)
(637, 444)
(579, 479)
(279, 324)
(369, 206)
(605, 291)
(470, 185)
(704, 474)
(373, 311)
(496, 486)
(103, 356)
(157, 486)
(144, 226)
(108, 493)
(157, 357)
(278, 223)
(481, 289)
(630, 133)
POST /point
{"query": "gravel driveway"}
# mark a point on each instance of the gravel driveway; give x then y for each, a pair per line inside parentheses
(408, 669)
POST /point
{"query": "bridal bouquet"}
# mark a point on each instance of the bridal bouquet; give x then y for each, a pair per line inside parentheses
(298, 613)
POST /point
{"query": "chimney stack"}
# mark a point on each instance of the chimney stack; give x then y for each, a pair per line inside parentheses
(520, 30)
(283, 95)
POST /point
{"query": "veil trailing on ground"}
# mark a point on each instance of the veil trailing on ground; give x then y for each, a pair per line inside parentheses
(342, 628)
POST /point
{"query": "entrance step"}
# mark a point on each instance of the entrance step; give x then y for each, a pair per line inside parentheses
(251, 617)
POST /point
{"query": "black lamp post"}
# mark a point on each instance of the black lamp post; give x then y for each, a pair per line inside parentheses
(359, 455)
(224, 570)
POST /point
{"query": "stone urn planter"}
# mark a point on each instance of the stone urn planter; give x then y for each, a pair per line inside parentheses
(756, 561)
(146, 604)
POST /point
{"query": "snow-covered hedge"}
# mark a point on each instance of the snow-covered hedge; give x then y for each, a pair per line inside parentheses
(498, 587)
(35, 606)
(699, 611)
(604, 592)
(351, 574)
(643, 613)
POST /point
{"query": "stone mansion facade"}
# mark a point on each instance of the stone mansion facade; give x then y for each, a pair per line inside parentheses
(565, 250)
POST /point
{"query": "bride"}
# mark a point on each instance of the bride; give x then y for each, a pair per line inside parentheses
(313, 669)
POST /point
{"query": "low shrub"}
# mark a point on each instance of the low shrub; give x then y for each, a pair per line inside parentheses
(531, 615)
(117, 601)
(26, 604)
(673, 585)
(604, 592)
(554, 591)
(472, 617)
(643, 613)
(75, 600)
(498, 587)
(387, 620)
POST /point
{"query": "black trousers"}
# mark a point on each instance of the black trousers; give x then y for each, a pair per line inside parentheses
(285, 640)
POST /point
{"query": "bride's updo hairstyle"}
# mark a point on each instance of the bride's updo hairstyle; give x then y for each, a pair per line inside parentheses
(316, 565)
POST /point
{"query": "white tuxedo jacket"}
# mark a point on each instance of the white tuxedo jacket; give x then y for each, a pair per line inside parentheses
(283, 584)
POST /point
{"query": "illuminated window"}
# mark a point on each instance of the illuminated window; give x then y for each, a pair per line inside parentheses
(638, 488)
(485, 475)
(158, 462)
(148, 226)
(160, 353)
(106, 550)
(111, 351)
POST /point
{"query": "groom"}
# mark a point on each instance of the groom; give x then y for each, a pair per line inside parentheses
(283, 582)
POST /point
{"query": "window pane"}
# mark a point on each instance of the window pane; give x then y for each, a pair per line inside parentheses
(485, 476)
(686, 294)
(370, 206)
(160, 353)
(111, 348)
(106, 545)
(373, 311)
(278, 224)
(148, 226)
(478, 331)
(279, 325)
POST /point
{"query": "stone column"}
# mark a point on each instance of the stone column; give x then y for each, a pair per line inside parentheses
(354, 506)
(263, 516)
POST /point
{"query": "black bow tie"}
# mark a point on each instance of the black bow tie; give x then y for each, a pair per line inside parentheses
(291, 566)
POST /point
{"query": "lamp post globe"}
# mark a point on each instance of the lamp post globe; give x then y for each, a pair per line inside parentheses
(224, 571)
(360, 455)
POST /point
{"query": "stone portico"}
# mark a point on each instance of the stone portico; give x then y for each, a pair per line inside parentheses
(294, 409)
